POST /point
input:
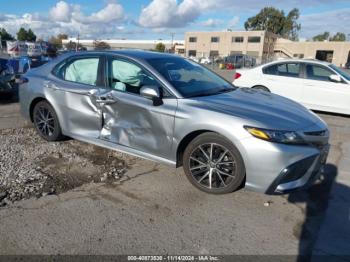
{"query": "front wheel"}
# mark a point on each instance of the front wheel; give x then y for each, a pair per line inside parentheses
(213, 164)
(46, 122)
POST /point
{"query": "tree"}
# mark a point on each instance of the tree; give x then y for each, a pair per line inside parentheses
(73, 46)
(31, 36)
(321, 37)
(57, 40)
(275, 21)
(5, 36)
(24, 35)
(160, 47)
(100, 45)
(338, 37)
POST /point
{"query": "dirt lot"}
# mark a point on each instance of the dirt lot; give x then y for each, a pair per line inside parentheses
(80, 199)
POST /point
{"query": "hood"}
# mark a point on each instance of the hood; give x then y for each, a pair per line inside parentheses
(265, 109)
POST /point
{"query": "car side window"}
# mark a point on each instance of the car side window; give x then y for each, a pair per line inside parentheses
(82, 70)
(315, 72)
(128, 77)
(283, 69)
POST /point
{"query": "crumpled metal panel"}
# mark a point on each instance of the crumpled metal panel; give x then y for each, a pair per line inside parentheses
(135, 122)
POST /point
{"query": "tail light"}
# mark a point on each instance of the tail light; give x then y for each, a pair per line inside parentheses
(236, 76)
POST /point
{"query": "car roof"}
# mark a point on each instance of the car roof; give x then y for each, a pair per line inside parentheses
(299, 60)
(132, 53)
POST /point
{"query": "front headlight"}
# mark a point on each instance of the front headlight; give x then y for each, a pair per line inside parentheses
(278, 136)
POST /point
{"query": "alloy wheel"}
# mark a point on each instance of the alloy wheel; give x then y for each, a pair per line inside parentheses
(212, 166)
(45, 121)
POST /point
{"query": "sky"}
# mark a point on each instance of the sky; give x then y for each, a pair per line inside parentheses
(159, 19)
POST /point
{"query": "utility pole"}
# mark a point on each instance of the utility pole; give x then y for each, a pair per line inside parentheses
(172, 41)
(76, 48)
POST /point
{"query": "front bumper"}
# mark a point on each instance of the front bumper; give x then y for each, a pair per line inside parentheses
(300, 174)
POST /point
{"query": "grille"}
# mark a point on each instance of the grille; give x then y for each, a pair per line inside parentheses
(316, 133)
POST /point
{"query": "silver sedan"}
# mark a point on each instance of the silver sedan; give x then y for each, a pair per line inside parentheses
(172, 110)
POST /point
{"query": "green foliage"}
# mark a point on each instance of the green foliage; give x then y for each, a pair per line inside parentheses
(160, 47)
(275, 21)
(57, 40)
(73, 46)
(321, 37)
(100, 45)
(5, 36)
(338, 37)
(24, 35)
(326, 36)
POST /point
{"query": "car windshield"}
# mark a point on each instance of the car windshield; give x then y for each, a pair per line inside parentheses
(340, 72)
(189, 78)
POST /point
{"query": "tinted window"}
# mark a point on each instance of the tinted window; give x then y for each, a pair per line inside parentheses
(215, 39)
(254, 39)
(289, 70)
(193, 39)
(189, 78)
(82, 70)
(316, 72)
(128, 77)
(237, 39)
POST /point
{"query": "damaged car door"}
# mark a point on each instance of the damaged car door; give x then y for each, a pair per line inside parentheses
(75, 90)
(133, 120)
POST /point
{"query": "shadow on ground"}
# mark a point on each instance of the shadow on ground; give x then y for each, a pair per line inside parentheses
(317, 199)
(8, 98)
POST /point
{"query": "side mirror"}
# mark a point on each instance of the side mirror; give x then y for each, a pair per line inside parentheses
(335, 78)
(153, 93)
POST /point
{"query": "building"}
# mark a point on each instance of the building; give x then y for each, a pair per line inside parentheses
(264, 46)
(337, 53)
(126, 43)
(259, 44)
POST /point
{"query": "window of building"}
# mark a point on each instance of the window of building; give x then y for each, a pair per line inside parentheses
(237, 39)
(192, 53)
(254, 39)
(192, 39)
(324, 55)
(215, 39)
(235, 52)
(214, 53)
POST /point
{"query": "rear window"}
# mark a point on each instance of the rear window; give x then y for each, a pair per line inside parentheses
(284, 69)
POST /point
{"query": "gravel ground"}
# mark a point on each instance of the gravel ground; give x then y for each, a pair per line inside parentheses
(32, 167)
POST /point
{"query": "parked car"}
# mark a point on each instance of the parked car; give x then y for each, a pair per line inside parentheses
(239, 61)
(315, 84)
(171, 110)
(7, 78)
(205, 60)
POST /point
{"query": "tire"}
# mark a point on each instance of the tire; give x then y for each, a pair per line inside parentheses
(46, 122)
(227, 174)
(263, 88)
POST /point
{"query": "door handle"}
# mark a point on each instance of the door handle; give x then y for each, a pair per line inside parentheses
(106, 100)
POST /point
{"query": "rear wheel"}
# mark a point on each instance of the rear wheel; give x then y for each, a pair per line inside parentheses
(213, 164)
(264, 88)
(46, 122)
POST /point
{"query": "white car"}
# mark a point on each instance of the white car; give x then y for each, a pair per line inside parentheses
(205, 60)
(315, 84)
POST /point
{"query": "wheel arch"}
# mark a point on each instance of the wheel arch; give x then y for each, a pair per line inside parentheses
(185, 141)
(32, 105)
